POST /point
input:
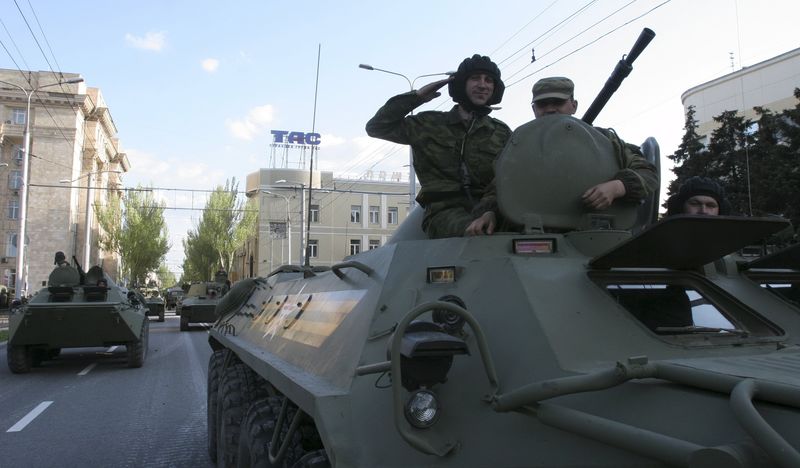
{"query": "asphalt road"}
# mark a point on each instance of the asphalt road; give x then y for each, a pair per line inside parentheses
(87, 408)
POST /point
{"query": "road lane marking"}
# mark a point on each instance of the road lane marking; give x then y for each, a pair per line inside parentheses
(30, 417)
(88, 368)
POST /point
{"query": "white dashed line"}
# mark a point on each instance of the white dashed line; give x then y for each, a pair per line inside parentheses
(88, 368)
(111, 349)
(30, 417)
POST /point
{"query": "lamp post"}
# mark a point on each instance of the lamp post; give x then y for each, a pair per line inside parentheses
(87, 241)
(19, 286)
(302, 217)
(412, 180)
(288, 225)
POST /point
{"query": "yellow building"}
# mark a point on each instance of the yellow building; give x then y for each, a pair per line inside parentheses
(75, 163)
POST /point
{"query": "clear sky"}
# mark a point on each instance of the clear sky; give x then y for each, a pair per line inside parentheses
(196, 86)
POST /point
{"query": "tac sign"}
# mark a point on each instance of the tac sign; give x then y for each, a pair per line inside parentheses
(295, 138)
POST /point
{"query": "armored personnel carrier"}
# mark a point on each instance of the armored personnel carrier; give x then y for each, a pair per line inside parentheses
(155, 304)
(585, 339)
(198, 305)
(172, 296)
(76, 310)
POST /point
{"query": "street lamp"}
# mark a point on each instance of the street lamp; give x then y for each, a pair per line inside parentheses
(288, 224)
(412, 180)
(23, 211)
(87, 243)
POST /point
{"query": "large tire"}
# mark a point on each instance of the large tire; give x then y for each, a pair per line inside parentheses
(215, 363)
(161, 316)
(137, 349)
(315, 459)
(184, 323)
(20, 360)
(238, 388)
(256, 435)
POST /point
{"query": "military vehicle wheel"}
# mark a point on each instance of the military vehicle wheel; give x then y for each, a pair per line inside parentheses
(315, 459)
(238, 388)
(161, 316)
(20, 360)
(137, 349)
(215, 363)
(256, 435)
(184, 323)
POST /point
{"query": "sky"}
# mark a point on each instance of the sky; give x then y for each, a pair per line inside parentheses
(195, 87)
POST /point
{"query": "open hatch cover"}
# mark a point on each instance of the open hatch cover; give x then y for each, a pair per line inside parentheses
(687, 241)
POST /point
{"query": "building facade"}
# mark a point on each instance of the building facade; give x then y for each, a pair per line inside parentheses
(346, 217)
(769, 84)
(75, 163)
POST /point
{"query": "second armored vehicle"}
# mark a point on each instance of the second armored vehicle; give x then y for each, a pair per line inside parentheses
(198, 305)
(76, 311)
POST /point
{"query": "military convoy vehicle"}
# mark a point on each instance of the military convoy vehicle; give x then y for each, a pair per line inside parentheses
(198, 305)
(172, 296)
(571, 343)
(155, 304)
(76, 310)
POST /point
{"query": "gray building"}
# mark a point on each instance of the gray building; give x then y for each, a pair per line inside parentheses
(75, 164)
(347, 216)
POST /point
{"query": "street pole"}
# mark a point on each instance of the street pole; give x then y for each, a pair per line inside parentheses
(288, 228)
(412, 176)
(87, 245)
(302, 222)
(21, 279)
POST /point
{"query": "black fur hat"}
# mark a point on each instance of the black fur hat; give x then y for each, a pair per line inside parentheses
(694, 186)
(475, 64)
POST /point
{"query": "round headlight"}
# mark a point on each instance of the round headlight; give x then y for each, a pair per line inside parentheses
(422, 409)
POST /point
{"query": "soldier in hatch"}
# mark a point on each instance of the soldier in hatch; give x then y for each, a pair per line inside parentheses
(699, 195)
(454, 151)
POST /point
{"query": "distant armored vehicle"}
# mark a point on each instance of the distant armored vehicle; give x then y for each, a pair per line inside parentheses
(172, 296)
(573, 342)
(75, 311)
(198, 305)
(155, 304)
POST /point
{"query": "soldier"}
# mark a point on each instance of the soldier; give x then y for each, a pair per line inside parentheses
(699, 195)
(636, 179)
(453, 151)
(61, 259)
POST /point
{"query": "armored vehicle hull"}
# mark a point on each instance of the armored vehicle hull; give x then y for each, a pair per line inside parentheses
(199, 303)
(571, 343)
(76, 316)
(155, 308)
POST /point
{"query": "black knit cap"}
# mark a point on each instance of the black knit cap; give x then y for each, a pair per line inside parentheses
(694, 186)
(471, 65)
(60, 258)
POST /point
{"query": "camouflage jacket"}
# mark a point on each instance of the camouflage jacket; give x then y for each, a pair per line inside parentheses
(441, 142)
(640, 177)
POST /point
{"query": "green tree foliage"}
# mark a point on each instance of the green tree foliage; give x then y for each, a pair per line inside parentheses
(225, 224)
(756, 161)
(135, 229)
(166, 277)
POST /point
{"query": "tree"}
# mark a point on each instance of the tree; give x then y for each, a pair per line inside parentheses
(166, 277)
(223, 227)
(135, 229)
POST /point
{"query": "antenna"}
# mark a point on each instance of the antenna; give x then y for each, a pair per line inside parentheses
(733, 68)
(311, 166)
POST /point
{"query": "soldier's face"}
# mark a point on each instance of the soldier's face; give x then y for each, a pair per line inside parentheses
(480, 88)
(554, 106)
(701, 204)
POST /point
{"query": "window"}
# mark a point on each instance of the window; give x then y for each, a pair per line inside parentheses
(18, 154)
(374, 244)
(313, 213)
(18, 116)
(313, 248)
(15, 180)
(355, 246)
(13, 208)
(392, 215)
(11, 244)
(277, 230)
(355, 213)
(374, 215)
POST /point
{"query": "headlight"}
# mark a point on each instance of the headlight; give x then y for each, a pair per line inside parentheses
(422, 409)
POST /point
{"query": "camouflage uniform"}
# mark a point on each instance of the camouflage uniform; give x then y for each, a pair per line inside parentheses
(640, 178)
(443, 143)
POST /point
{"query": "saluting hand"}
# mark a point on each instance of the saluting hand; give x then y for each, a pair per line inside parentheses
(431, 90)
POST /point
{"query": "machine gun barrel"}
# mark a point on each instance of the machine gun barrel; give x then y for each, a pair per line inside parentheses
(621, 71)
(80, 270)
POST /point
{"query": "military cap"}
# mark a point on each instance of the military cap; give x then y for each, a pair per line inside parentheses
(556, 87)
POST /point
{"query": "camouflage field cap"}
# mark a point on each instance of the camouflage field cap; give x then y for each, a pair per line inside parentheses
(557, 87)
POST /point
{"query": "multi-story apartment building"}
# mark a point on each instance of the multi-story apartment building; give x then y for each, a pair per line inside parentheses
(769, 84)
(346, 217)
(75, 163)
